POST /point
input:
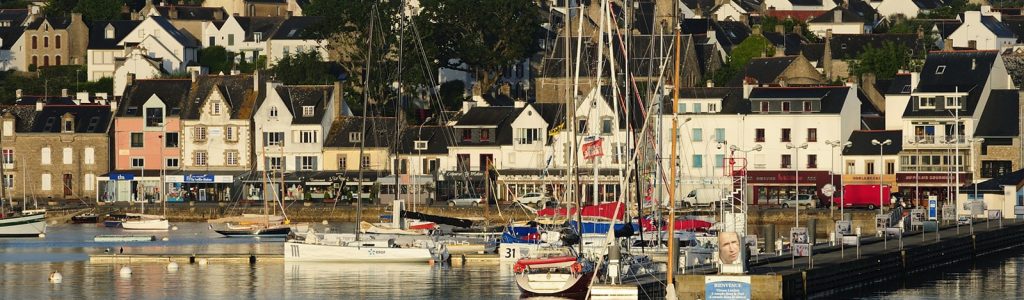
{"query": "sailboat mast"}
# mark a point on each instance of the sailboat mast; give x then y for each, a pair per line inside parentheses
(362, 132)
(398, 101)
(672, 255)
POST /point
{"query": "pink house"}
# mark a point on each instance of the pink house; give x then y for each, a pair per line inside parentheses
(147, 128)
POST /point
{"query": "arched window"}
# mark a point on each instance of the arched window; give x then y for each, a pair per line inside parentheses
(56, 42)
(273, 111)
(57, 60)
(46, 60)
(46, 42)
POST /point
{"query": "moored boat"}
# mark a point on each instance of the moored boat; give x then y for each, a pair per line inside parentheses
(331, 248)
(255, 230)
(553, 276)
(86, 218)
(147, 222)
(23, 225)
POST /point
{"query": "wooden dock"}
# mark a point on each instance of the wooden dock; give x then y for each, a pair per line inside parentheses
(185, 258)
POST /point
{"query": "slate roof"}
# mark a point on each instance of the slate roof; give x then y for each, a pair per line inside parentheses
(1016, 24)
(1001, 116)
(552, 113)
(98, 31)
(728, 33)
(379, 133)
(11, 34)
(732, 99)
(860, 142)
(236, 90)
(171, 91)
(173, 31)
(813, 52)
(790, 42)
(997, 27)
(264, 25)
(900, 84)
(763, 69)
(193, 12)
(864, 10)
(486, 116)
(928, 4)
(438, 138)
(297, 96)
(850, 46)
(295, 28)
(995, 185)
(846, 16)
(946, 27)
(963, 70)
(55, 22)
(704, 5)
(832, 97)
(806, 2)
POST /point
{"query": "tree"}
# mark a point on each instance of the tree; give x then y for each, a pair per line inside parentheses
(485, 35)
(216, 59)
(884, 62)
(60, 8)
(753, 46)
(302, 68)
(346, 26)
(950, 10)
(92, 10)
(452, 94)
(788, 25)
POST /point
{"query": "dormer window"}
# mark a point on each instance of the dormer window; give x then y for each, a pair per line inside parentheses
(69, 125)
(712, 107)
(355, 137)
(952, 102)
(307, 111)
(154, 116)
(257, 36)
(215, 107)
(785, 106)
(108, 33)
(420, 145)
(273, 112)
(926, 102)
(941, 69)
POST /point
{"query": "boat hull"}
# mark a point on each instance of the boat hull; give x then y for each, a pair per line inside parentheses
(146, 225)
(260, 232)
(294, 251)
(23, 226)
(540, 284)
(85, 219)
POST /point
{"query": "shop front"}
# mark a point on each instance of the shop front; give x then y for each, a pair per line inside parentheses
(771, 187)
(129, 186)
(201, 187)
(919, 186)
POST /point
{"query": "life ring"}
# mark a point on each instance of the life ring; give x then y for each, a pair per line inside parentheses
(577, 268)
(519, 268)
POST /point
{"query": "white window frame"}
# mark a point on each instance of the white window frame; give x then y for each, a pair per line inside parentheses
(307, 111)
(176, 164)
(67, 156)
(231, 158)
(307, 163)
(45, 155)
(201, 158)
(141, 162)
(199, 133)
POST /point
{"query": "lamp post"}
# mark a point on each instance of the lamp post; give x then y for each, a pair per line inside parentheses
(796, 166)
(419, 153)
(974, 174)
(881, 152)
(832, 207)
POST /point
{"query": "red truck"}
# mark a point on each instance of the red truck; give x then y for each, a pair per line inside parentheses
(863, 196)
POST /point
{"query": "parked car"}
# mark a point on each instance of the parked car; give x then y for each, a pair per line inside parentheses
(465, 200)
(802, 200)
(534, 199)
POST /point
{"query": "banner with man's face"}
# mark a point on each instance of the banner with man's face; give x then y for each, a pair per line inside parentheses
(731, 252)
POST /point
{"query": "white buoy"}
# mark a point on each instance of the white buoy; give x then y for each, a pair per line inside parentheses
(165, 239)
(172, 266)
(126, 271)
(42, 235)
(54, 222)
(55, 277)
(257, 237)
(202, 261)
(324, 222)
(175, 227)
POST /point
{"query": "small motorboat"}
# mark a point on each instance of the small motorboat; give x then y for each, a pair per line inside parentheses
(255, 230)
(86, 218)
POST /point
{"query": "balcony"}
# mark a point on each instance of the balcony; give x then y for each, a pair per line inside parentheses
(935, 141)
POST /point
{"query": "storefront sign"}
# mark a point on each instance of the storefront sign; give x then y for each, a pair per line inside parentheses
(887, 179)
(727, 287)
(787, 177)
(943, 178)
(121, 176)
(199, 178)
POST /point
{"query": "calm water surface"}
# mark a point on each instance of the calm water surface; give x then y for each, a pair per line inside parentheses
(990, 278)
(25, 265)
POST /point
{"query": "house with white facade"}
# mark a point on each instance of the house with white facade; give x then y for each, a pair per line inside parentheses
(866, 163)
(839, 20)
(800, 5)
(244, 36)
(159, 39)
(103, 50)
(983, 30)
(293, 36)
(12, 44)
(907, 8)
(793, 127)
(137, 65)
(292, 121)
(941, 117)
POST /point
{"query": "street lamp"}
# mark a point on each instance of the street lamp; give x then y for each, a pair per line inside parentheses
(796, 166)
(881, 152)
(974, 175)
(419, 153)
(832, 177)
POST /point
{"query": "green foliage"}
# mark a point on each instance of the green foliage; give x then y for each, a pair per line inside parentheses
(60, 8)
(249, 67)
(769, 23)
(13, 4)
(99, 9)
(753, 46)
(950, 10)
(216, 59)
(302, 68)
(50, 81)
(452, 94)
(486, 35)
(884, 62)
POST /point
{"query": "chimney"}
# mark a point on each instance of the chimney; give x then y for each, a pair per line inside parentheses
(113, 106)
(256, 81)
(194, 74)
(710, 83)
(947, 45)
(745, 19)
(972, 44)
(780, 29)
(467, 105)
(756, 30)
(915, 77)
(135, 16)
(64, 93)
(218, 14)
(172, 13)
(826, 57)
(82, 97)
(519, 103)
(131, 79)
(337, 100)
(17, 94)
(39, 104)
(76, 18)
(780, 51)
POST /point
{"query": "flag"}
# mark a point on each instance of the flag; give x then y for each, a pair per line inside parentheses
(592, 149)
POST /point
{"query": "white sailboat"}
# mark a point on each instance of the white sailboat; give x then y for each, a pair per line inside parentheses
(151, 222)
(23, 225)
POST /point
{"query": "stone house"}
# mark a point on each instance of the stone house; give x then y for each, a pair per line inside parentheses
(51, 41)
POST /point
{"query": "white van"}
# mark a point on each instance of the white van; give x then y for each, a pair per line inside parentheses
(703, 197)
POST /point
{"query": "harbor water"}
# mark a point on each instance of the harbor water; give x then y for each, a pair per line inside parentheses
(25, 265)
